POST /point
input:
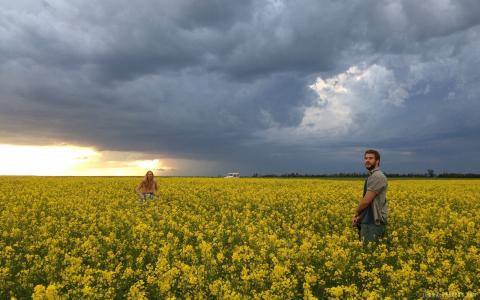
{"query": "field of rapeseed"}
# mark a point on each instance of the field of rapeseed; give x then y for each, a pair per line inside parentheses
(85, 238)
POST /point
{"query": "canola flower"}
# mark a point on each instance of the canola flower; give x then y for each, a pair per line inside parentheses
(89, 238)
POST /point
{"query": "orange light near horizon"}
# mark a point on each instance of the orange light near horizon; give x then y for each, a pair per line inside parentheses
(148, 164)
(71, 161)
(41, 160)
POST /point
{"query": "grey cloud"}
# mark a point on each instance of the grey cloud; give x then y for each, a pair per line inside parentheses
(199, 80)
(213, 14)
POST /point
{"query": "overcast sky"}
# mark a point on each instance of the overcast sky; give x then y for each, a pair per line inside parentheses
(256, 86)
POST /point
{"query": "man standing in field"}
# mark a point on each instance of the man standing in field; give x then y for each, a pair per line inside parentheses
(371, 213)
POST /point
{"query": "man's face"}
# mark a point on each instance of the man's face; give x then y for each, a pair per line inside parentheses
(370, 161)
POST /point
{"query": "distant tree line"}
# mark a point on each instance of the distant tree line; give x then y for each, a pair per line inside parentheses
(429, 174)
(459, 175)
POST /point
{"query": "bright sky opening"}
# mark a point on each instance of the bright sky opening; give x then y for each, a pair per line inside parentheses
(70, 161)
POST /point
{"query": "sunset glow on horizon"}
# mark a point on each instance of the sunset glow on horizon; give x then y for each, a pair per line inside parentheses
(69, 160)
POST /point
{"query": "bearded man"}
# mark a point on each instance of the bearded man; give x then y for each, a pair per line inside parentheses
(371, 214)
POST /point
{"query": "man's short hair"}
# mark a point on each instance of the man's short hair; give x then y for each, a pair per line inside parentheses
(374, 152)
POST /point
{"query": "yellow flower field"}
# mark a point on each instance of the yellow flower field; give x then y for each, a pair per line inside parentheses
(90, 238)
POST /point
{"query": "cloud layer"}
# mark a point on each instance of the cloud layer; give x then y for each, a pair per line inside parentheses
(266, 86)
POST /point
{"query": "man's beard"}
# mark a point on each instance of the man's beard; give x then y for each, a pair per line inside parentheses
(371, 167)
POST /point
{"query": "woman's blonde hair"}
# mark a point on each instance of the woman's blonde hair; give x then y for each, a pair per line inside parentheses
(146, 182)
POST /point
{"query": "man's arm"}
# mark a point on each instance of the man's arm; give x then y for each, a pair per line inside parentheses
(367, 199)
(365, 202)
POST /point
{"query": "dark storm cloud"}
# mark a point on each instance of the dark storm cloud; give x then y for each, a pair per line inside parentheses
(209, 79)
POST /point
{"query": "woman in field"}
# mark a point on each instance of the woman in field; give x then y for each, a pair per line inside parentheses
(147, 189)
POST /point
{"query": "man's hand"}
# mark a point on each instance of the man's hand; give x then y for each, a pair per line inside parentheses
(355, 220)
